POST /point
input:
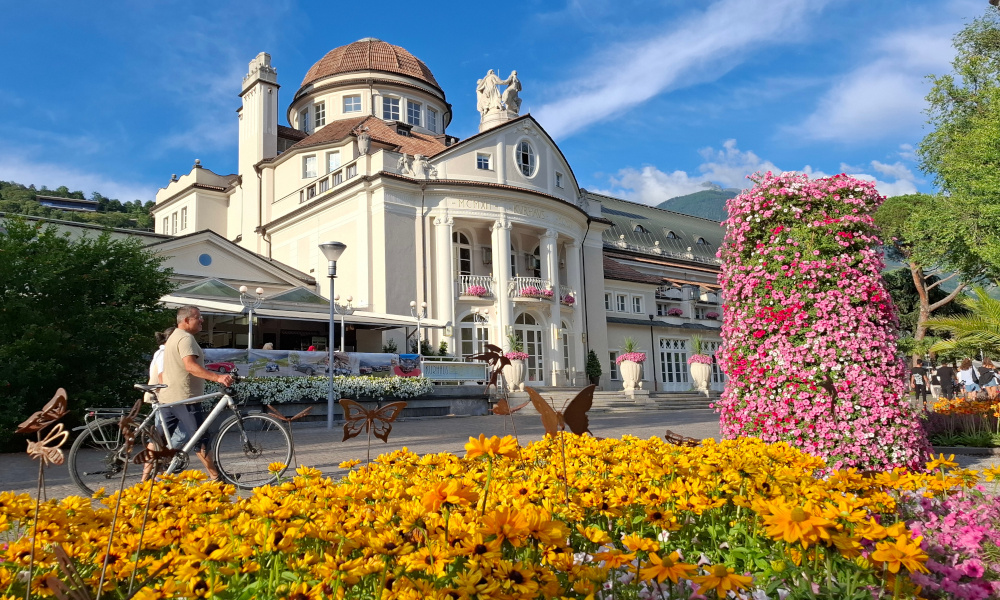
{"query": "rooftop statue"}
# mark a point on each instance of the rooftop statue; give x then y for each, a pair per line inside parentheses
(490, 100)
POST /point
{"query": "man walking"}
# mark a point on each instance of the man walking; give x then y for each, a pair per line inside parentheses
(918, 382)
(184, 373)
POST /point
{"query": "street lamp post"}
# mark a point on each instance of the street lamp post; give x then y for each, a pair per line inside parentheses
(418, 315)
(332, 251)
(652, 350)
(344, 310)
(251, 303)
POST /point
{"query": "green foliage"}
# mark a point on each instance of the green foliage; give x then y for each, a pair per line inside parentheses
(443, 348)
(629, 345)
(514, 343)
(16, 198)
(900, 284)
(696, 344)
(390, 347)
(593, 365)
(78, 314)
(962, 151)
(979, 330)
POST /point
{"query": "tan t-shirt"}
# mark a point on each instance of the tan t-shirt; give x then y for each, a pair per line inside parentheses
(181, 385)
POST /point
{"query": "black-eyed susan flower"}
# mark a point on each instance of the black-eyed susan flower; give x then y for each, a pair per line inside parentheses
(721, 579)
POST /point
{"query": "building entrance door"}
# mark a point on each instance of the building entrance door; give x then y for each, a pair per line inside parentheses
(674, 372)
(529, 332)
(718, 380)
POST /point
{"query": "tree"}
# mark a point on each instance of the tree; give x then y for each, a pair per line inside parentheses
(78, 314)
(962, 152)
(916, 231)
(977, 331)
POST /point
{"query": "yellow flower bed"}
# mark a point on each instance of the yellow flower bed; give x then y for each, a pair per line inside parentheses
(638, 519)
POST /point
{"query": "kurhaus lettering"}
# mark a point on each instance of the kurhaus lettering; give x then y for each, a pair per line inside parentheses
(517, 209)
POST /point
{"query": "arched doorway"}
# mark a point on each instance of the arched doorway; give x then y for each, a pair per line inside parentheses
(529, 331)
(473, 335)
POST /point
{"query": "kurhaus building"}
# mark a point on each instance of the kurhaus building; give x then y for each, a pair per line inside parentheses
(491, 233)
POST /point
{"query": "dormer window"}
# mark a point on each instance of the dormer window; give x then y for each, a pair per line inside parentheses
(403, 129)
(639, 229)
(701, 241)
(672, 236)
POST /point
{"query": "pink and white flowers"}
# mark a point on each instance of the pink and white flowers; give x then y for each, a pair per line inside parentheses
(703, 359)
(515, 355)
(809, 328)
(477, 290)
(636, 357)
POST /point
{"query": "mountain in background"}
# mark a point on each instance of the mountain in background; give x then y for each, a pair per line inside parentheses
(708, 204)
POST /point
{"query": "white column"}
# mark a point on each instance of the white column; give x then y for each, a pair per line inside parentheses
(444, 277)
(574, 279)
(550, 272)
(501, 277)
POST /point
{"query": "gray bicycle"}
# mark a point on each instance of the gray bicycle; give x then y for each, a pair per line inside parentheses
(245, 445)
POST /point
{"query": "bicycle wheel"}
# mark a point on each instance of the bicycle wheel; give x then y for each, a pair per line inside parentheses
(97, 458)
(243, 461)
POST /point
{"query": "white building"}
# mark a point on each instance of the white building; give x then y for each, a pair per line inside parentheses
(491, 232)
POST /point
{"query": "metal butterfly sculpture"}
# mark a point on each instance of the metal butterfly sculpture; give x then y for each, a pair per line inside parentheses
(573, 415)
(377, 421)
(680, 440)
(47, 450)
(288, 422)
(495, 358)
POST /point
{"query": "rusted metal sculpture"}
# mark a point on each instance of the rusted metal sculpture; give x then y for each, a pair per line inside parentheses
(377, 421)
(288, 423)
(680, 440)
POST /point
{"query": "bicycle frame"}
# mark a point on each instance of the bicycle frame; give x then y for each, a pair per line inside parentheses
(224, 402)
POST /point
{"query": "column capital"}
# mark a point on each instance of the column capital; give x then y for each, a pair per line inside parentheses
(550, 234)
(502, 225)
(450, 222)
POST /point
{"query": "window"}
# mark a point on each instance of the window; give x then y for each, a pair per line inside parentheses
(432, 119)
(304, 120)
(608, 305)
(184, 218)
(525, 158)
(699, 312)
(166, 225)
(672, 236)
(559, 180)
(319, 110)
(390, 109)
(639, 229)
(701, 241)
(661, 309)
(613, 371)
(352, 104)
(324, 185)
(473, 336)
(308, 166)
(463, 254)
(622, 302)
(413, 113)
(332, 161)
(173, 223)
(311, 192)
(352, 171)
(637, 304)
(483, 161)
(338, 178)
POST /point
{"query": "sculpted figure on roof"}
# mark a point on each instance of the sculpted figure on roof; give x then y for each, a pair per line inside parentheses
(511, 100)
(488, 94)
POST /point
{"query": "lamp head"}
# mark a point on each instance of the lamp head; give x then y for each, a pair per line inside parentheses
(332, 250)
(336, 298)
(243, 289)
(260, 291)
(413, 303)
(350, 299)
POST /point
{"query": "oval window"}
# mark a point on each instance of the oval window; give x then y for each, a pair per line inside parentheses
(525, 157)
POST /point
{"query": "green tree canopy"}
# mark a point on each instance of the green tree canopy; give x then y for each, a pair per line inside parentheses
(974, 332)
(74, 313)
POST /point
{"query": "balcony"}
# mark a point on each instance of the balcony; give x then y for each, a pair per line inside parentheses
(567, 296)
(474, 286)
(530, 287)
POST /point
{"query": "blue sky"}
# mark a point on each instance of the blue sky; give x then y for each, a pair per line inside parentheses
(647, 100)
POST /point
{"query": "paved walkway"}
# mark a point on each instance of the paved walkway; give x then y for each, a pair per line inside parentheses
(319, 447)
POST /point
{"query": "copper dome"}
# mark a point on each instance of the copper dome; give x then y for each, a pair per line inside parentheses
(369, 54)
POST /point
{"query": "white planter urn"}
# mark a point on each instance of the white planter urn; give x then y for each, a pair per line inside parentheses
(700, 375)
(514, 375)
(630, 374)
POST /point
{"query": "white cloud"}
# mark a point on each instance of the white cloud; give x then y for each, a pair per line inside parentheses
(53, 176)
(699, 48)
(729, 168)
(884, 97)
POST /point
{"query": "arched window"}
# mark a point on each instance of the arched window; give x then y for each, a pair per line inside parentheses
(473, 335)
(463, 254)
(701, 241)
(672, 236)
(639, 229)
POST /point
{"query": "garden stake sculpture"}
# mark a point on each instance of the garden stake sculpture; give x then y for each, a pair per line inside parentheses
(47, 451)
(157, 459)
(378, 421)
(574, 414)
(680, 440)
(495, 358)
(288, 423)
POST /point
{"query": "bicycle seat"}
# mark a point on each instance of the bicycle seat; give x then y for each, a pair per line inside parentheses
(145, 387)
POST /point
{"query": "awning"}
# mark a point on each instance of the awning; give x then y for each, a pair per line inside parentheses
(368, 320)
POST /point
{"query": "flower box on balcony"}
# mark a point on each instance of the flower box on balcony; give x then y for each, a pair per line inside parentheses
(534, 292)
(675, 312)
(711, 315)
(476, 290)
(568, 300)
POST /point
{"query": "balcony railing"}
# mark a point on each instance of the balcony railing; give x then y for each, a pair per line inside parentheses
(529, 287)
(464, 282)
(324, 183)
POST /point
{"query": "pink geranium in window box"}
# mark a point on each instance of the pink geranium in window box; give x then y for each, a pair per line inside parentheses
(636, 357)
(711, 315)
(517, 355)
(477, 290)
(567, 299)
(675, 312)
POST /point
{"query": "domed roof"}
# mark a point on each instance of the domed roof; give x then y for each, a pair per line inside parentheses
(369, 54)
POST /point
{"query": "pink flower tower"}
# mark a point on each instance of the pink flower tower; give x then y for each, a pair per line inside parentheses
(809, 327)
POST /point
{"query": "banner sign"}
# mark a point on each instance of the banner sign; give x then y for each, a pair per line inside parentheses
(455, 371)
(292, 363)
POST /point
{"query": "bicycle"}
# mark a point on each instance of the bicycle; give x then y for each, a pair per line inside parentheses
(244, 447)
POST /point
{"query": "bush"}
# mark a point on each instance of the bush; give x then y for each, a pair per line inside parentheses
(78, 314)
(593, 365)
